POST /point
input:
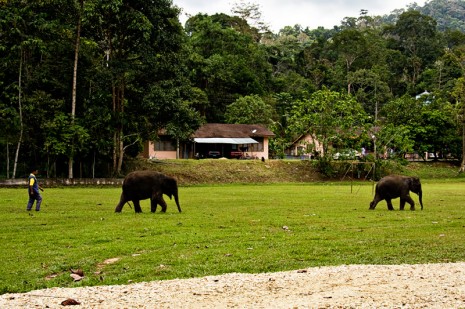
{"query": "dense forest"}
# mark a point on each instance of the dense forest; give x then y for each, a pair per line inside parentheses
(85, 82)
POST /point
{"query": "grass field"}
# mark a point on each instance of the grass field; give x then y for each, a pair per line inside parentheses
(222, 229)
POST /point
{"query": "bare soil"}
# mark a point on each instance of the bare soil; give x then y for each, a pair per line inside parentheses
(347, 286)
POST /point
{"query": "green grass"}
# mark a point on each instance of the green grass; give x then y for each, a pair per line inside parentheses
(222, 229)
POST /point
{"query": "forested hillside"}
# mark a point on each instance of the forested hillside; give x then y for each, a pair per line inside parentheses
(449, 14)
(85, 83)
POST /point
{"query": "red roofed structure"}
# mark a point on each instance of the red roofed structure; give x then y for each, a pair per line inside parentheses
(214, 140)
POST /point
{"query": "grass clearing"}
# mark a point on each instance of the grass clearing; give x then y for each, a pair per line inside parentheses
(223, 228)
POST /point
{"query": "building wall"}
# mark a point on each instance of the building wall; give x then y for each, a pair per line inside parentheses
(300, 147)
(150, 151)
(258, 151)
(164, 155)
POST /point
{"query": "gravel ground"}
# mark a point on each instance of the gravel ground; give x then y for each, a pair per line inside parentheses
(348, 286)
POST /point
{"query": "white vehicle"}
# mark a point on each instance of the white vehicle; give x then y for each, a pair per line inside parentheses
(347, 154)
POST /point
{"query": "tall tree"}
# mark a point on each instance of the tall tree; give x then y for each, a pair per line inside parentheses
(20, 28)
(75, 70)
(416, 37)
(425, 124)
(329, 117)
(251, 14)
(369, 89)
(142, 42)
(351, 45)
(459, 94)
(20, 113)
(283, 136)
(225, 63)
(249, 110)
(458, 54)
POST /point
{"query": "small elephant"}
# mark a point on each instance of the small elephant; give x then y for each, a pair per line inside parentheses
(141, 185)
(395, 186)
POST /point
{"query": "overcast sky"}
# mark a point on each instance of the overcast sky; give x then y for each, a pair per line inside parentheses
(307, 13)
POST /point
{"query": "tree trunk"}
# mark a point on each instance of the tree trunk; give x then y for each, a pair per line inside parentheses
(7, 160)
(462, 165)
(73, 99)
(93, 167)
(18, 146)
(120, 128)
(114, 159)
(115, 133)
(120, 158)
(20, 109)
(118, 144)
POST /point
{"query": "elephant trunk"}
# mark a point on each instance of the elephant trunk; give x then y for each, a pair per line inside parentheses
(176, 199)
(420, 197)
(121, 203)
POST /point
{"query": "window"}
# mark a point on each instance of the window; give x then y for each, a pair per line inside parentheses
(164, 144)
(257, 147)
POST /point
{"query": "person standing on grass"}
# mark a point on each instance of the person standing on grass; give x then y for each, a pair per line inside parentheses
(33, 190)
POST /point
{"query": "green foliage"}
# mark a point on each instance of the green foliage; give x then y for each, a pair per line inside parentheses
(225, 63)
(283, 138)
(448, 13)
(369, 90)
(249, 110)
(421, 125)
(401, 117)
(333, 118)
(325, 167)
(394, 138)
(131, 76)
(350, 44)
(416, 37)
(140, 71)
(63, 135)
(439, 130)
(185, 120)
(222, 229)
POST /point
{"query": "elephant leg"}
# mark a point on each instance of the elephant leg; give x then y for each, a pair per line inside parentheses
(153, 204)
(162, 203)
(137, 208)
(402, 204)
(389, 204)
(409, 200)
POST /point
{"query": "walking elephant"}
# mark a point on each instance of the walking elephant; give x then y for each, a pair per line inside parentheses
(142, 185)
(395, 186)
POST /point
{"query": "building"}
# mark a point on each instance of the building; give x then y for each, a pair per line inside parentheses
(304, 147)
(214, 140)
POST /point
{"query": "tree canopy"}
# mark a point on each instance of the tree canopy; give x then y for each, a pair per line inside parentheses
(85, 83)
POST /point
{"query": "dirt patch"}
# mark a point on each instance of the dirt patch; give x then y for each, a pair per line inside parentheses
(347, 286)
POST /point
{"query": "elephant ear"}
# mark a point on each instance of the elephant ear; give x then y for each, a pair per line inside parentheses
(415, 185)
(170, 186)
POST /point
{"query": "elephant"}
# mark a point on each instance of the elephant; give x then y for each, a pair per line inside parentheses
(141, 185)
(395, 186)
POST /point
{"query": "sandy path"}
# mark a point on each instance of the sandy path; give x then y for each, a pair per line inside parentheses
(353, 286)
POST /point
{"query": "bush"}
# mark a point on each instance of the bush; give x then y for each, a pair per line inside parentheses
(325, 167)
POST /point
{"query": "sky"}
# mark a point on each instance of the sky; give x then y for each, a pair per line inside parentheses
(307, 13)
